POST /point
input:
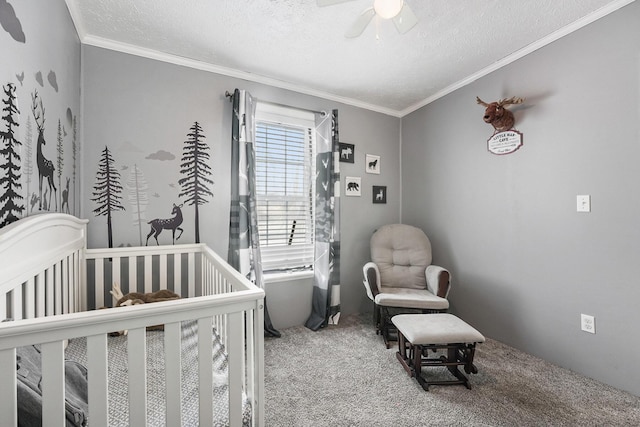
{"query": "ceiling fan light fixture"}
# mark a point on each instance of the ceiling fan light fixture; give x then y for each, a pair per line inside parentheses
(388, 9)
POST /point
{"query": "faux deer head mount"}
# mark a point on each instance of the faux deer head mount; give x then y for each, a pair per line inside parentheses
(497, 116)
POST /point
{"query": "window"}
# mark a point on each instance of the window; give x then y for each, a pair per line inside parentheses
(285, 186)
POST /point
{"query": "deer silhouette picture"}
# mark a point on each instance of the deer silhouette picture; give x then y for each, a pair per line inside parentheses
(33, 201)
(173, 224)
(45, 166)
(65, 198)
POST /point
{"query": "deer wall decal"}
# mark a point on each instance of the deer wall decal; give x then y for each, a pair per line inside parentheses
(173, 224)
(65, 198)
(45, 166)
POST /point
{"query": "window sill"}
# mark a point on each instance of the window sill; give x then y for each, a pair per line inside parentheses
(285, 277)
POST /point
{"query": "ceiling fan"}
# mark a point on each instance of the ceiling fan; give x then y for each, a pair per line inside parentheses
(396, 10)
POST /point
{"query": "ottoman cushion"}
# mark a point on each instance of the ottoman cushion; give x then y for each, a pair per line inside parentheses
(437, 328)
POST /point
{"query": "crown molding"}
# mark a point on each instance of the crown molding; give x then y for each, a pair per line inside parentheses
(76, 18)
(230, 72)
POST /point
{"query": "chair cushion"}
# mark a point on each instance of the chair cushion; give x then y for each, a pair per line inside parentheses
(402, 253)
(410, 298)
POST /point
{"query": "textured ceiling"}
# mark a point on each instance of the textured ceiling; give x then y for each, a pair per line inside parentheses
(297, 45)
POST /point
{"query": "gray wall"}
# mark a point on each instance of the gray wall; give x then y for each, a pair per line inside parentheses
(525, 264)
(137, 106)
(41, 53)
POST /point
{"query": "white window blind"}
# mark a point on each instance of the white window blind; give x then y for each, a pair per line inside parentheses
(284, 186)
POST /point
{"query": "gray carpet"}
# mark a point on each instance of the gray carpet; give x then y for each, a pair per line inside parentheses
(343, 376)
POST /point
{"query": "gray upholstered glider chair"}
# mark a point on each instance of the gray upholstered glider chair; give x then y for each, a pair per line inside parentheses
(400, 277)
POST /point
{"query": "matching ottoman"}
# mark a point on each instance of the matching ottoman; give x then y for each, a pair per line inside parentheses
(420, 333)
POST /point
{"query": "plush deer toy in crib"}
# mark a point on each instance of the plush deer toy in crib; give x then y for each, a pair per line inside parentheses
(134, 298)
(496, 115)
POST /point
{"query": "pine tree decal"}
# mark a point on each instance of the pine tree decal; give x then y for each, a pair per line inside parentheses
(107, 190)
(60, 159)
(74, 156)
(10, 180)
(195, 170)
(138, 197)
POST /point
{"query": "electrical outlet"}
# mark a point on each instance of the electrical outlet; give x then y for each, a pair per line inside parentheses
(588, 323)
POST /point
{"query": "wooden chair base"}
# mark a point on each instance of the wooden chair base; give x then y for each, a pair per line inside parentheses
(414, 356)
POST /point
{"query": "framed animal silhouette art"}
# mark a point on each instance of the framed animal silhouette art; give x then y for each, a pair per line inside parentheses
(347, 152)
(379, 194)
(372, 164)
(352, 186)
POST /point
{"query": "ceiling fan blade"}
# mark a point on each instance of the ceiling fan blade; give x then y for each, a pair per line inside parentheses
(360, 23)
(323, 3)
(405, 20)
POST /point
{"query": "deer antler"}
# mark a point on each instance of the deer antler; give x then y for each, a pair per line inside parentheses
(481, 102)
(35, 103)
(512, 100)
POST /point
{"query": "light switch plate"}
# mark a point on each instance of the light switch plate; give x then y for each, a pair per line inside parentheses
(583, 203)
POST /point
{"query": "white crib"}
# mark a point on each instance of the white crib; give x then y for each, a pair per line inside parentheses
(50, 285)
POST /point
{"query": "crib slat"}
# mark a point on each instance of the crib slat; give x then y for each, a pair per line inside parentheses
(57, 285)
(148, 273)
(177, 273)
(68, 299)
(205, 370)
(173, 369)
(40, 291)
(97, 376)
(115, 273)
(16, 303)
(137, 369)
(53, 399)
(257, 392)
(99, 282)
(77, 285)
(236, 339)
(250, 353)
(50, 293)
(29, 298)
(192, 274)
(163, 271)
(8, 394)
(133, 274)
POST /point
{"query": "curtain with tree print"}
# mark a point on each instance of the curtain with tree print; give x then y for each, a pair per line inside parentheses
(326, 267)
(244, 243)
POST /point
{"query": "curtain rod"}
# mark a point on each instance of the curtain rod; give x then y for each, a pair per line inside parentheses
(324, 113)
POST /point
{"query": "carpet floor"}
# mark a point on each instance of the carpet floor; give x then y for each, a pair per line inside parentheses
(344, 376)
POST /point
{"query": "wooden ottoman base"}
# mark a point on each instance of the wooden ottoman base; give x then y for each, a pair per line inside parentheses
(418, 334)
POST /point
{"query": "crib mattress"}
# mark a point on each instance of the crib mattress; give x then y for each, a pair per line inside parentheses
(117, 375)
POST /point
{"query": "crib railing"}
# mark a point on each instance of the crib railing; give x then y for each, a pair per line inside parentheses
(189, 270)
(214, 294)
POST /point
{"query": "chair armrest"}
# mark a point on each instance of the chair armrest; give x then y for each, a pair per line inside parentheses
(371, 279)
(438, 280)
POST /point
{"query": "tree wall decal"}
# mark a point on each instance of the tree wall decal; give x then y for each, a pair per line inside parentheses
(195, 170)
(60, 159)
(74, 154)
(138, 197)
(10, 179)
(107, 190)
